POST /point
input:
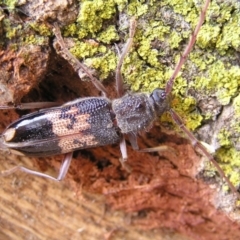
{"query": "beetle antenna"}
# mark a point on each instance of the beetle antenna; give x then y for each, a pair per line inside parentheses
(176, 117)
(188, 49)
(198, 145)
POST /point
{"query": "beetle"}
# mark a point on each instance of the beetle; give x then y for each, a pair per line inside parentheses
(96, 121)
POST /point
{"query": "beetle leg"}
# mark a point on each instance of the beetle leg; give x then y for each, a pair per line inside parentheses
(123, 149)
(62, 172)
(157, 149)
(75, 62)
(188, 49)
(123, 159)
(31, 105)
(133, 140)
(65, 166)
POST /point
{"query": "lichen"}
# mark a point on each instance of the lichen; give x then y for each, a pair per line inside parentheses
(9, 3)
(236, 105)
(11, 31)
(33, 39)
(42, 29)
(107, 63)
(229, 157)
(208, 36)
(223, 137)
(136, 8)
(109, 35)
(222, 79)
(84, 49)
(93, 13)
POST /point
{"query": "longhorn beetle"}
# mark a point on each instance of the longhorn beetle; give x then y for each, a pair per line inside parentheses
(96, 121)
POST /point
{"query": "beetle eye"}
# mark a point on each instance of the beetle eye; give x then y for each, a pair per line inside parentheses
(158, 95)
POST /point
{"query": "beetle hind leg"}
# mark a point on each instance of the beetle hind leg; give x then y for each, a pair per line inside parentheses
(30, 105)
(61, 175)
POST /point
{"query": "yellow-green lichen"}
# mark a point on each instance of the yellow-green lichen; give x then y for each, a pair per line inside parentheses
(223, 138)
(236, 105)
(91, 17)
(229, 157)
(9, 3)
(84, 49)
(230, 34)
(19, 34)
(107, 63)
(159, 42)
(175, 39)
(33, 39)
(224, 81)
(136, 8)
(71, 30)
(11, 34)
(41, 28)
(121, 4)
(11, 31)
(145, 37)
(185, 8)
(208, 36)
(148, 54)
(93, 13)
(202, 61)
(108, 35)
(185, 108)
(229, 138)
(139, 76)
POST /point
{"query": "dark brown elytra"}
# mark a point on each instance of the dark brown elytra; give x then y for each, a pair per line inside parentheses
(139, 102)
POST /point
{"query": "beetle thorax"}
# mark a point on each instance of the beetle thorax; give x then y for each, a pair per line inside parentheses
(137, 112)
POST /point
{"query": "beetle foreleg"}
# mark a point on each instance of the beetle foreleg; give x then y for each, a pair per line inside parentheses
(75, 62)
(133, 140)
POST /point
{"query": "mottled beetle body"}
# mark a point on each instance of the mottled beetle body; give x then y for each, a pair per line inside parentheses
(82, 123)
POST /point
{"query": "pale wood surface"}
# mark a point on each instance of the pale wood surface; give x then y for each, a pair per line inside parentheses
(36, 208)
